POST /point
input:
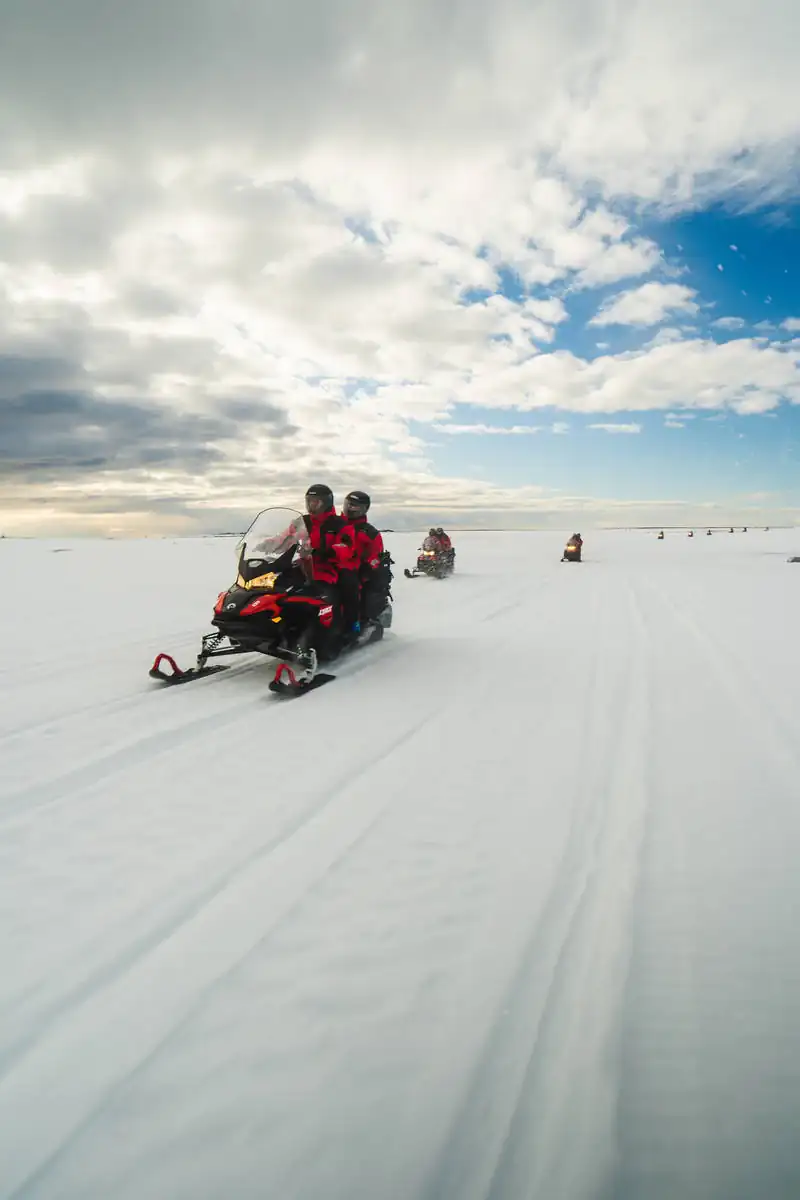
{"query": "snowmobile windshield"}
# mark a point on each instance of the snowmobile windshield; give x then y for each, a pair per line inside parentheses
(275, 532)
(430, 544)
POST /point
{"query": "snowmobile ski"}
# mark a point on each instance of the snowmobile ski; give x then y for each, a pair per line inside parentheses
(294, 686)
(176, 675)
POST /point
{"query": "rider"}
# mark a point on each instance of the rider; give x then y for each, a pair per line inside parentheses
(441, 542)
(374, 572)
(444, 540)
(333, 560)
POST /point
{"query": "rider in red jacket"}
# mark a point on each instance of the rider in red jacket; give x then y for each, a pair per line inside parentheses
(444, 540)
(333, 554)
(374, 572)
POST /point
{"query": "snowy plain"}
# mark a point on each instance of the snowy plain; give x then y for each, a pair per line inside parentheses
(510, 911)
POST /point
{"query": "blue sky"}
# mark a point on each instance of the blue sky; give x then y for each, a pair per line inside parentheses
(713, 453)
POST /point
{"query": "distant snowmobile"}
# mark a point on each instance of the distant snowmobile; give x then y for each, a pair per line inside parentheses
(661, 536)
(573, 549)
(433, 561)
(691, 533)
(274, 608)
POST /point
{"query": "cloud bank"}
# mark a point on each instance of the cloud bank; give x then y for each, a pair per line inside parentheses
(244, 248)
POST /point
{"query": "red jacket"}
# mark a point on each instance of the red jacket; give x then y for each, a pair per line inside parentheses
(332, 544)
(368, 544)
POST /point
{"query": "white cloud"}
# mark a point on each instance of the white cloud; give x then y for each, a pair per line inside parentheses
(740, 374)
(665, 335)
(791, 324)
(617, 427)
(277, 217)
(729, 323)
(507, 431)
(646, 305)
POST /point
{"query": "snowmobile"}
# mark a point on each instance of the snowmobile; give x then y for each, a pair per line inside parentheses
(660, 537)
(433, 561)
(275, 608)
(572, 551)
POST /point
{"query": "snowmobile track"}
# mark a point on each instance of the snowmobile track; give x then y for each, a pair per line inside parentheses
(520, 1146)
(104, 1012)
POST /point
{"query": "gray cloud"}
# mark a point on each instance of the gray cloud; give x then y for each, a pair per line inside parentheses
(205, 67)
(51, 430)
(76, 232)
(56, 434)
(257, 411)
(19, 373)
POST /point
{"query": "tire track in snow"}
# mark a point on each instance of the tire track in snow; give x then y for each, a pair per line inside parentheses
(708, 1099)
(127, 1021)
(65, 786)
(660, 1017)
(739, 682)
(118, 705)
(101, 769)
(540, 1115)
(39, 1071)
(183, 908)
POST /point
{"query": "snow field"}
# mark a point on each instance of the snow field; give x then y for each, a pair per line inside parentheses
(507, 911)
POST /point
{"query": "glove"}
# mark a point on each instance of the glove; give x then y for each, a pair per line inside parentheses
(343, 550)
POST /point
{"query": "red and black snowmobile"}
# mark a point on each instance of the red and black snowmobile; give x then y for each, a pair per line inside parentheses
(433, 559)
(276, 609)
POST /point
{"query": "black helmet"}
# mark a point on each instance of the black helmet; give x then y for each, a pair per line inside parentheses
(432, 532)
(320, 491)
(440, 531)
(356, 504)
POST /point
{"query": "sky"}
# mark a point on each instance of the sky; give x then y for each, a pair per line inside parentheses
(519, 264)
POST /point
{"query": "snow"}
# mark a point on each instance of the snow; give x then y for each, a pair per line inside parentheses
(509, 910)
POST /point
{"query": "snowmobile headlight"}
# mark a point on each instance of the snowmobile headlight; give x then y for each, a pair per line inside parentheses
(267, 582)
